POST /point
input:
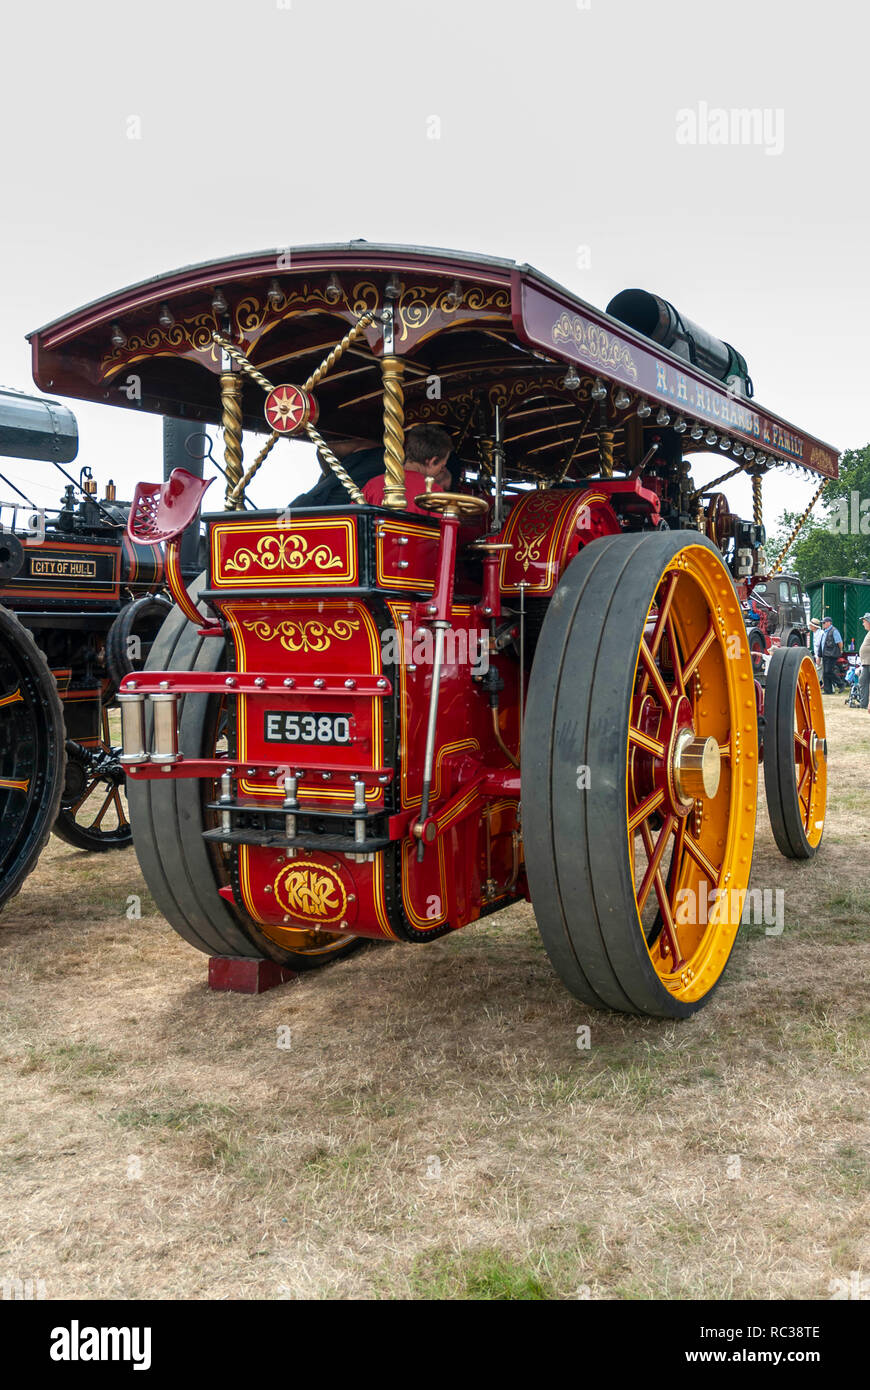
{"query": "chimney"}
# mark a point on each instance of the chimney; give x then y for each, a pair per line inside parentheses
(178, 454)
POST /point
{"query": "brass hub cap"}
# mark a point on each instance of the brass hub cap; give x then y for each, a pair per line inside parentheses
(697, 767)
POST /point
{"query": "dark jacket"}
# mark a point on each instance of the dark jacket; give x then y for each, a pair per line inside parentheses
(362, 465)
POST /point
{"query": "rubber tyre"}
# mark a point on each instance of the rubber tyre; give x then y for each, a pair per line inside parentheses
(168, 817)
(757, 651)
(780, 768)
(146, 614)
(576, 842)
(29, 830)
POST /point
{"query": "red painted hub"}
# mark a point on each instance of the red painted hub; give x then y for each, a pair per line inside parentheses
(651, 770)
(289, 409)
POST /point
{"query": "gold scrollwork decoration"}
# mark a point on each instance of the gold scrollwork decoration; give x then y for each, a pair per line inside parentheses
(192, 335)
(312, 636)
(594, 342)
(253, 317)
(290, 552)
(529, 550)
(533, 529)
(458, 398)
(417, 305)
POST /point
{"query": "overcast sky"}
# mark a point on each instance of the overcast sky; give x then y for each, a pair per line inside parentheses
(565, 139)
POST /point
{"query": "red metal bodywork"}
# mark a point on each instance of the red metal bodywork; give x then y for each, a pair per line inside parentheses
(352, 647)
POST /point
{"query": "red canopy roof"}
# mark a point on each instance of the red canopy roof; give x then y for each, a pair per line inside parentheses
(474, 331)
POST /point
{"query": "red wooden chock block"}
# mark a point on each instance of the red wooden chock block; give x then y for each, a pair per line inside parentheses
(242, 975)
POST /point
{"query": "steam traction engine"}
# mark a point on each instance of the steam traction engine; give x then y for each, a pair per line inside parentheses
(78, 611)
(369, 722)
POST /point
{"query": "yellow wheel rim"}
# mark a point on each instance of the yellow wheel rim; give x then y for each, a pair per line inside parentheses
(811, 763)
(692, 773)
(306, 943)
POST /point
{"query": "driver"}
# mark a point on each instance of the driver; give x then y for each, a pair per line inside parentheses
(427, 450)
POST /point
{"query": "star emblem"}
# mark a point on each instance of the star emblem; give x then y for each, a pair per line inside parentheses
(287, 409)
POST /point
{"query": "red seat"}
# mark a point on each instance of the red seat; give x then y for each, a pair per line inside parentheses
(160, 512)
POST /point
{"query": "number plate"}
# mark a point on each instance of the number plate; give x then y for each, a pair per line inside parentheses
(283, 726)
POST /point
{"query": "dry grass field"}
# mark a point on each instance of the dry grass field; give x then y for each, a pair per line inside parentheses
(432, 1129)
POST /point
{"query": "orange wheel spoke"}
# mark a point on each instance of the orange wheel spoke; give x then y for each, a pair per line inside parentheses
(705, 643)
(95, 824)
(662, 615)
(669, 929)
(679, 686)
(122, 819)
(83, 798)
(808, 721)
(807, 773)
(700, 858)
(655, 857)
(655, 674)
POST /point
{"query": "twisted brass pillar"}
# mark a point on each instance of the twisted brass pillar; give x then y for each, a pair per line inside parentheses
(605, 453)
(231, 421)
(756, 499)
(392, 371)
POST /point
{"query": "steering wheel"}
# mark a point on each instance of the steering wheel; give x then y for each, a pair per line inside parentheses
(460, 504)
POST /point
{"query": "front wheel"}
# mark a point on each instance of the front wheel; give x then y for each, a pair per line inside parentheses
(32, 755)
(93, 815)
(639, 773)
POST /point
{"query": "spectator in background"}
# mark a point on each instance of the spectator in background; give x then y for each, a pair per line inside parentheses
(830, 649)
(815, 640)
(864, 657)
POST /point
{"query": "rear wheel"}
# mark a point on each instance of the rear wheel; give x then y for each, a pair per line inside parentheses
(757, 651)
(184, 872)
(32, 756)
(639, 774)
(795, 753)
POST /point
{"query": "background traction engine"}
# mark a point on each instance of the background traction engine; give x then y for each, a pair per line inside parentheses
(80, 605)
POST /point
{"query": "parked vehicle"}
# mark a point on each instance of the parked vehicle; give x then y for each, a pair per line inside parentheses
(312, 757)
(845, 599)
(776, 614)
(80, 606)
